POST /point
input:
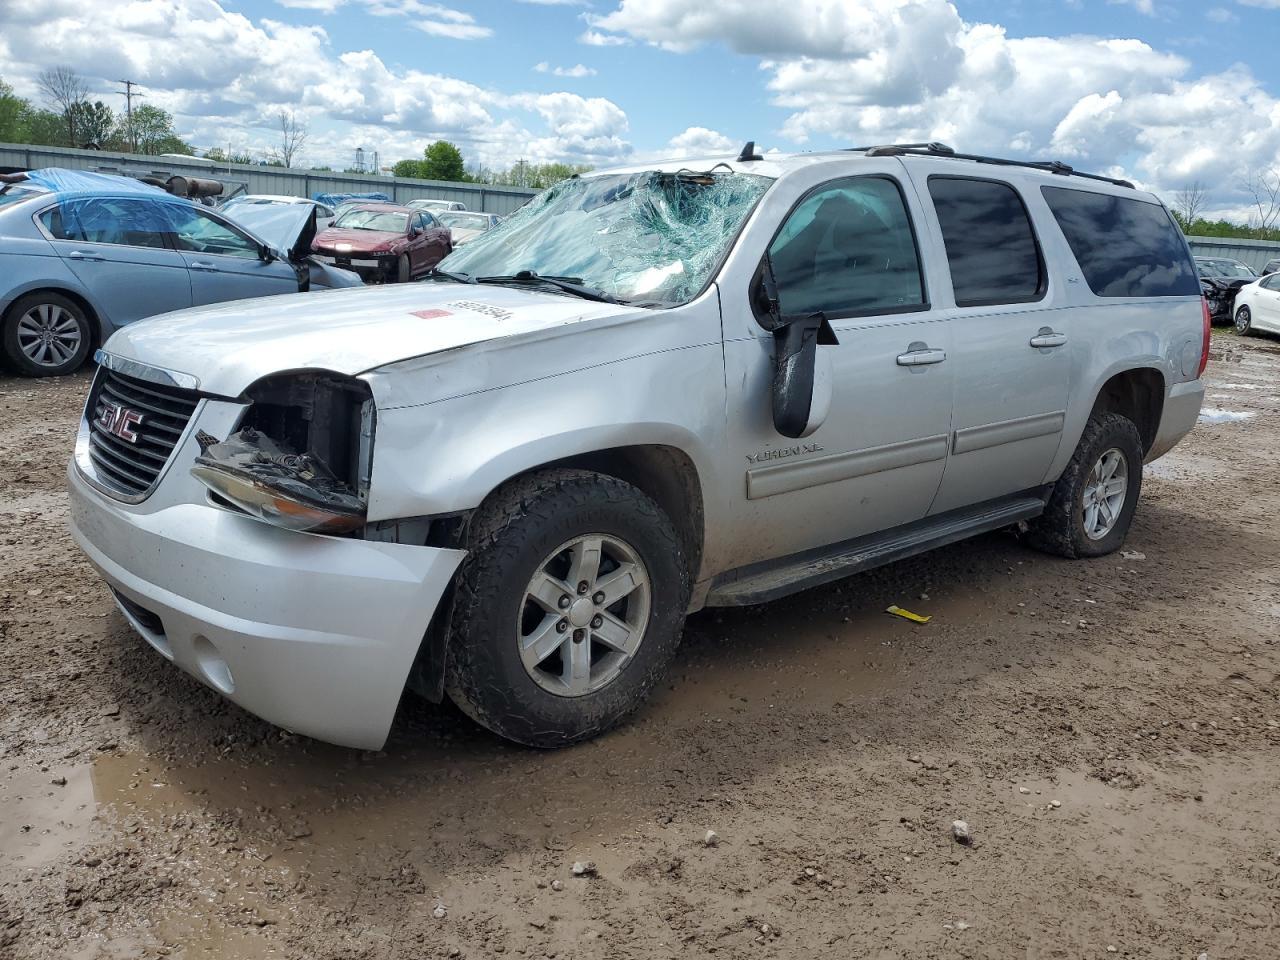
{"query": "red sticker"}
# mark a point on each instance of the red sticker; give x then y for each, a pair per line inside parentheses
(431, 314)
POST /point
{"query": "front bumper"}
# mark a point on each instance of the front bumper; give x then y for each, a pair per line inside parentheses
(315, 634)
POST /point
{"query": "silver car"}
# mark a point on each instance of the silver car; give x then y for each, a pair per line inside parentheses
(84, 254)
(654, 389)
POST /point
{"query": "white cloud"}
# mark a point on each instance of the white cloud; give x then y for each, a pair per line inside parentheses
(577, 70)
(224, 76)
(593, 38)
(1221, 15)
(430, 18)
(1145, 7)
(699, 142)
(882, 71)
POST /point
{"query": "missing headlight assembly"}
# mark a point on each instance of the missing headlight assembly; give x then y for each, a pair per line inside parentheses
(303, 456)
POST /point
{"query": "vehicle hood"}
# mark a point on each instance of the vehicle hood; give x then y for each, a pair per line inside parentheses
(228, 347)
(360, 240)
(280, 226)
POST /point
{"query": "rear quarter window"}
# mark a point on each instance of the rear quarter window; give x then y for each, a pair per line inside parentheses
(1125, 247)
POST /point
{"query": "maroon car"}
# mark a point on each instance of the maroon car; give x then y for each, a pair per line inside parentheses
(384, 243)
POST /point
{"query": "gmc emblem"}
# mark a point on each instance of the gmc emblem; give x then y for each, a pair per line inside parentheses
(119, 421)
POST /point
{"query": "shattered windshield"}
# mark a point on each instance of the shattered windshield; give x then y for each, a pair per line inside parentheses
(1231, 269)
(651, 236)
(15, 194)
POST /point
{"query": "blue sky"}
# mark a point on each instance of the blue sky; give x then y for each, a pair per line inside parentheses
(1165, 93)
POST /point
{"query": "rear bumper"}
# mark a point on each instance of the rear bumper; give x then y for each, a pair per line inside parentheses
(368, 268)
(315, 634)
(1181, 411)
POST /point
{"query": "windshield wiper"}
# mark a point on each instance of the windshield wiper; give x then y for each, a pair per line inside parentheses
(438, 274)
(567, 284)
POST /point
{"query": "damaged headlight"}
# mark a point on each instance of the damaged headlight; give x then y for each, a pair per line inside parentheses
(302, 458)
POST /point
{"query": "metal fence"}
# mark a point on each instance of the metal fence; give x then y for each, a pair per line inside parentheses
(1253, 253)
(255, 179)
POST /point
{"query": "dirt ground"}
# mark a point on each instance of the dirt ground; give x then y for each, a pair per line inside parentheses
(1110, 730)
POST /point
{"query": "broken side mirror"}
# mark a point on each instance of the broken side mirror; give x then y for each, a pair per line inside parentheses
(802, 375)
(265, 253)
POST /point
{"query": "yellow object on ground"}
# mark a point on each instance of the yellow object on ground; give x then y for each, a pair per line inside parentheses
(907, 615)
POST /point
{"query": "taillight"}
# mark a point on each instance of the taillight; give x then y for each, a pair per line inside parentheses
(1204, 347)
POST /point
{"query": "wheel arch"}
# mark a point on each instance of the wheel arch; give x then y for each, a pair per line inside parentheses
(1138, 394)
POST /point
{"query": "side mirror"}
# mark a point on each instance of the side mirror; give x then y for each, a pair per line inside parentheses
(802, 377)
(265, 253)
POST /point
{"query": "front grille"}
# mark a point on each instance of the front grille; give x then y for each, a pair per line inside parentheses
(133, 466)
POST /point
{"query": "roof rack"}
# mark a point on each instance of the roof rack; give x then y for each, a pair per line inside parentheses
(936, 149)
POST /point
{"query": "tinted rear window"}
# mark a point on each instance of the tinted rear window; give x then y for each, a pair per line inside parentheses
(1125, 248)
(991, 247)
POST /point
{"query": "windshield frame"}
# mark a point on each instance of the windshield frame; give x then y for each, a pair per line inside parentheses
(714, 269)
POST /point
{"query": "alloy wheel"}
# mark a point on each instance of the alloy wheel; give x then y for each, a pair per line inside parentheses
(584, 615)
(49, 334)
(1104, 493)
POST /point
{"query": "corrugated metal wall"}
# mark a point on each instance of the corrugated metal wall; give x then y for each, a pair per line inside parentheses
(297, 183)
(1254, 253)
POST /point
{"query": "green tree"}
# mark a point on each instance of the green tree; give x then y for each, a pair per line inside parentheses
(45, 127)
(95, 123)
(154, 132)
(407, 168)
(14, 115)
(442, 161)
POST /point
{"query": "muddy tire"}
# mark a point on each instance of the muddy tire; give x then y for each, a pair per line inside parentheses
(1244, 321)
(548, 646)
(1092, 504)
(45, 334)
(404, 271)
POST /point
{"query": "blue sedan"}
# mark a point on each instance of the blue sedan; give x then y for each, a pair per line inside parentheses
(82, 254)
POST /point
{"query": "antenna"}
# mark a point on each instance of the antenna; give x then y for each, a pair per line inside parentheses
(749, 152)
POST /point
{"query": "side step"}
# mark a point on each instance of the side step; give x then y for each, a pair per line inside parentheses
(771, 579)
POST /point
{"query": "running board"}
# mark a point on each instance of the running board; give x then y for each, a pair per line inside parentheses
(771, 579)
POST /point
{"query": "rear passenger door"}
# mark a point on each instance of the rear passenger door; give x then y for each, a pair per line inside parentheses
(1009, 356)
(117, 250)
(223, 261)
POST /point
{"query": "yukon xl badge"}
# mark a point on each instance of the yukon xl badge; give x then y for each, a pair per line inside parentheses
(120, 421)
(764, 456)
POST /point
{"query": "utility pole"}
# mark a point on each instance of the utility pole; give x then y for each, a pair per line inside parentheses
(128, 110)
(520, 166)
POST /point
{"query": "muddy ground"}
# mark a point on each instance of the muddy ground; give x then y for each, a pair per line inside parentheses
(1110, 731)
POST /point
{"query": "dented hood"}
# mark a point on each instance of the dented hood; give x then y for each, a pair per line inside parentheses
(230, 346)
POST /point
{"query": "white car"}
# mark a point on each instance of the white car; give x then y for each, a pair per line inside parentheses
(1258, 305)
(466, 226)
(436, 205)
(324, 214)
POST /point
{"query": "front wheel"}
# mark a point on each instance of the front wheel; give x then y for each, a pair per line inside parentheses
(1093, 502)
(1244, 321)
(568, 607)
(404, 272)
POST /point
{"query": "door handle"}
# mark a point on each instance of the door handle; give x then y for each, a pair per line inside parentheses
(1048, 338)
(920, 354)
(79, 255)
(203, 267)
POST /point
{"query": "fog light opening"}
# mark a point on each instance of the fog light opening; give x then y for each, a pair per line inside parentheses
(212, 665)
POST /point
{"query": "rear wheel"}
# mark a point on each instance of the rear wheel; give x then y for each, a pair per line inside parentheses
(568, 608)
(45, 334)
(1093, 502)
(1244, 321)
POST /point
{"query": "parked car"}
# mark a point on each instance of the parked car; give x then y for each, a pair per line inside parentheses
(83, 254)
(1258, 306)
(437, 204)
(465, 226)
(384, 244)
(324, 214)
(707, 383)
(1220, 278)
(1272, 266)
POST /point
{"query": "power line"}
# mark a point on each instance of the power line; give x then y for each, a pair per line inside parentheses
(128, 109)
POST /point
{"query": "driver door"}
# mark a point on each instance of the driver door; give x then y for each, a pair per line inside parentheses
(223, 261)
(847, 249)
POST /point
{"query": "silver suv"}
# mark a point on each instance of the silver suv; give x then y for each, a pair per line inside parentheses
(651, 390)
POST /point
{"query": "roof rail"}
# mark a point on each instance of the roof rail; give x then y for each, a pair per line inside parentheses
(942, 150)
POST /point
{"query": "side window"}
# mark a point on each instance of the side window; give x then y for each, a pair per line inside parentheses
(1125, 247)
(129, 223)
(198, 232)
(991, 246)
(848, 250)
(1272, 281)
